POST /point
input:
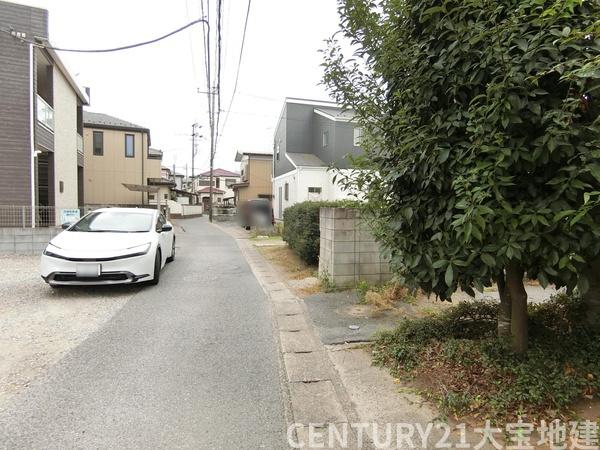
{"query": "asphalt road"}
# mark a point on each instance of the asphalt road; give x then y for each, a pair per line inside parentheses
(190, 363)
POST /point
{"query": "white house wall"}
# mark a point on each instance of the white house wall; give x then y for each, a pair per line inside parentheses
(299, 181)
(279, 182)
(65, 143)
(337, 192)
(313, 177)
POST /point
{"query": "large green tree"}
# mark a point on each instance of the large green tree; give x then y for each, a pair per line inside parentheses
(482, 140)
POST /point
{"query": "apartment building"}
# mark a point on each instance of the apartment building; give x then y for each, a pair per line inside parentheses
(40, 121)
(120, 166)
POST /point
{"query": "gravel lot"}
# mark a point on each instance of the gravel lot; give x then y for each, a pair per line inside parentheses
(39, 325)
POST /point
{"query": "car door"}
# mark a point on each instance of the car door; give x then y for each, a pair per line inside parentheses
(163, 239)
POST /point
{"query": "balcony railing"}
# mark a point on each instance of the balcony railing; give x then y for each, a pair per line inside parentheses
(45, 113)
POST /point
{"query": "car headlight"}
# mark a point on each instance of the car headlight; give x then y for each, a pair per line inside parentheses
(138, 250)
(50, 248)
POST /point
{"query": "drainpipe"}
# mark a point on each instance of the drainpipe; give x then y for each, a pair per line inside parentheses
(31, 135)
(142, 154)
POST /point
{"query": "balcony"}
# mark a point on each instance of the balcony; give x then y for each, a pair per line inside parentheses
(45, 113)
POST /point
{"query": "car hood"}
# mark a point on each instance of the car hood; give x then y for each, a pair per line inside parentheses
(78, 244)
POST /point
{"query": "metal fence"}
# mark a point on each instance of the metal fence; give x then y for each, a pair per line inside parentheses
(26, 216)
(17, 216)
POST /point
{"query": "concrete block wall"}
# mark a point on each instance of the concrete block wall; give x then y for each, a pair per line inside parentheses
(348, 250)
(25, 241)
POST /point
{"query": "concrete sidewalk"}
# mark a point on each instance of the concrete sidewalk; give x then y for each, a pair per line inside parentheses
(333, 385)
(316, 393)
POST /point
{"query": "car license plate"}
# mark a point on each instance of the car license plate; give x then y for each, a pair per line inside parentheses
(88, 270)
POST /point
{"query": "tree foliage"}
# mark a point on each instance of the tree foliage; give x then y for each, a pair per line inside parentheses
(482, 135)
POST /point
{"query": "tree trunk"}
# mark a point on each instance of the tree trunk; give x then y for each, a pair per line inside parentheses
(518, 297)
(592, 297)
(504, 312)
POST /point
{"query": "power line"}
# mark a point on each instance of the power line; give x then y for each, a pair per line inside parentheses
(194, 71)
(105, 50)
(219, 62)
(237, 76)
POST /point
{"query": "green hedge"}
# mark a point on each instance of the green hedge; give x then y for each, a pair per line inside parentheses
(301, 227)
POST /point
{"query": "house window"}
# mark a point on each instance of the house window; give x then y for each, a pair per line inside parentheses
(277, 146)
(314, 190)
(98, 143)
(229, 181)
(287, 192)
(150, 196)
(325, 138)
(218, 185)
(166, 196)
(358, 133)
(129, 146)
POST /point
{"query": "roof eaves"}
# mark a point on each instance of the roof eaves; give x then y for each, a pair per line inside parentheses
(54, 56)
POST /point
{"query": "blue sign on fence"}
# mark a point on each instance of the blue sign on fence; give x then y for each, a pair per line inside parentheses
(69, 215)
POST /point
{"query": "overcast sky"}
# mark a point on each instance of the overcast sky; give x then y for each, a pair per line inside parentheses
(156, 86)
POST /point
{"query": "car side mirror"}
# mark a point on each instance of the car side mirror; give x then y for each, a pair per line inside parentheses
(167, 227)
(66, 225)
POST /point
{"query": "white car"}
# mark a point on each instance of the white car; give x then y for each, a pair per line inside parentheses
(110, 246)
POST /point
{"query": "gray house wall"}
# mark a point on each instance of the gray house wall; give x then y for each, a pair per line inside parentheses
(341, 141)
(300, 130)
(281, 165)
(15, 147)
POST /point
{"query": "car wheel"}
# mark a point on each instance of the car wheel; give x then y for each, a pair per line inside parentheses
(172, 257)
(157, 264)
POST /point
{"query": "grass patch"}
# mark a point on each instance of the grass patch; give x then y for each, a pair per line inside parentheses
(384, 297)
(271, 233)
(288, 261)
(455, 358)
(264, 237)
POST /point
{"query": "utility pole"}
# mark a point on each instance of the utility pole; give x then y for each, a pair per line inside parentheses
(194, 151)
(211, 101)
(212, 160)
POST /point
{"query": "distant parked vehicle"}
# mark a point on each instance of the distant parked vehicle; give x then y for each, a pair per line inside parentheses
(257, 213)
(110, 246)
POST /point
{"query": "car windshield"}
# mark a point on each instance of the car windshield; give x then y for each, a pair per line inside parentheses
(114, 222)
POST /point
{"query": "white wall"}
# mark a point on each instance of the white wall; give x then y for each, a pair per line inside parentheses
(174, 207)
(65, 143)
(279, 182)
(337, 192)
(299, 181)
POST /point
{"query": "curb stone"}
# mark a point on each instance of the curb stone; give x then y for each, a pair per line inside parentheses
(313, 388)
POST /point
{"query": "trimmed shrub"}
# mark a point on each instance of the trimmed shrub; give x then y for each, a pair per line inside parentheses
(301, 227)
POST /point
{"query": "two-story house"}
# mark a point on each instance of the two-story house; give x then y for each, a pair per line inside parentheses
(255, 171)
(311, 136)
(120, 166)
(223, 180)
(40, 121)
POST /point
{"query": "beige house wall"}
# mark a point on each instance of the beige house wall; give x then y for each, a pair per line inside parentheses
(65, 143)
(258, 174)
(164, 194)
(104, 175)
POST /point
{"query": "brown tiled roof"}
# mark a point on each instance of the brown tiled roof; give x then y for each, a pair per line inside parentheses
(206, 190)
(220, 173)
